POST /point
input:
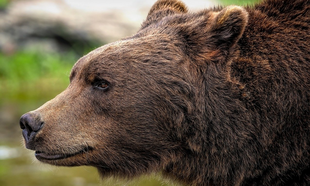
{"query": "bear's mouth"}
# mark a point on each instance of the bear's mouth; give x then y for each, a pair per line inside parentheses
(41, 155)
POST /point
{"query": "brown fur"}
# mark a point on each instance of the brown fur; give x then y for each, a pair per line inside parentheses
(217, 97)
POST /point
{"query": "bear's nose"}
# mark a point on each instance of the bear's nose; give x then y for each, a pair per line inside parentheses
(30, 123)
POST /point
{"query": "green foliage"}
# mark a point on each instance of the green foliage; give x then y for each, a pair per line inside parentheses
(238, 2)
(30, 74)
(3, 3)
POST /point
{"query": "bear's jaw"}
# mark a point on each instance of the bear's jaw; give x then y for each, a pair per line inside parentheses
(49, 156)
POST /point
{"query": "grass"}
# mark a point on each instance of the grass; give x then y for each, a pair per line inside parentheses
(33, 75)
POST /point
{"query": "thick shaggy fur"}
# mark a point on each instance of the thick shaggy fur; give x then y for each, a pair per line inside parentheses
(217, 97)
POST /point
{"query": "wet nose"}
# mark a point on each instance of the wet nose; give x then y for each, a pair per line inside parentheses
(30, 123)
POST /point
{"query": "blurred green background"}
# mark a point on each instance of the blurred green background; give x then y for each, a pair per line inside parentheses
(31, 75)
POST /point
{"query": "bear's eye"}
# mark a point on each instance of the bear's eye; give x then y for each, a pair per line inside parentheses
(101, 85)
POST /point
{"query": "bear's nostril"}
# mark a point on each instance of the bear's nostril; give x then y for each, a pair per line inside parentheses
(41, 126)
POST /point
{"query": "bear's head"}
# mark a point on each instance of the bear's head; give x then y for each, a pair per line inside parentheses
(135, 105)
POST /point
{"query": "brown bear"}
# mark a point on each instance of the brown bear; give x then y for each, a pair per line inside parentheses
(216, 97)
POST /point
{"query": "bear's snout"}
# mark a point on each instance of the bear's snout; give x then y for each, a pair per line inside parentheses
(31, 124)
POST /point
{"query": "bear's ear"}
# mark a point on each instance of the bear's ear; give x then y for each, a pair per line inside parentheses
(227, 27)
(163, 8)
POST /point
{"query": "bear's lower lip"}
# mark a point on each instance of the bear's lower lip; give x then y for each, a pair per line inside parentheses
(40, 155)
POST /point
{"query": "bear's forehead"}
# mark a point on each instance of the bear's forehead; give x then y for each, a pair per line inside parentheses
(122, 53)
(119, 48)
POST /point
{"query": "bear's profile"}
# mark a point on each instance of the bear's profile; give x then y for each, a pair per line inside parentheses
(216, 97)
